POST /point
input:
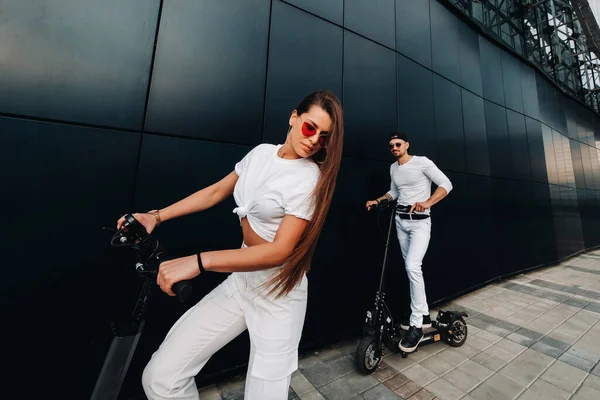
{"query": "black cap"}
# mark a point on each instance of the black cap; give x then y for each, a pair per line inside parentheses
(398, 135)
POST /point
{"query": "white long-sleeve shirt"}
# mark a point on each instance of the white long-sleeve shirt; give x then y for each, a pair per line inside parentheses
(411, 182)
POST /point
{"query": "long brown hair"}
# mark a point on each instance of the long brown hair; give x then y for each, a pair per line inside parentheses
(328, 159)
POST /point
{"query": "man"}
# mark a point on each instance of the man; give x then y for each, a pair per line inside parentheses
(411, 178)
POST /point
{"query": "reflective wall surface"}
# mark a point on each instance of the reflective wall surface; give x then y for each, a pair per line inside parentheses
(112, 107)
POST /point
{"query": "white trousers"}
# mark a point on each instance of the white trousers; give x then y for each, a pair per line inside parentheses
(413, 236)
(274, 325)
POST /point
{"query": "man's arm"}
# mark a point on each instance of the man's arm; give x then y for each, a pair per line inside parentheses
(443, 183)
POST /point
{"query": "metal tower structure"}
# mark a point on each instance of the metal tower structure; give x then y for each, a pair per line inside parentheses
(561, 37)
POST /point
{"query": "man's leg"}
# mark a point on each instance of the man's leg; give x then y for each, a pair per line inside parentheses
(420, 233)
(193, 339)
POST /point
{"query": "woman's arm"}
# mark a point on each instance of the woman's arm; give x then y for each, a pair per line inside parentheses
(202, 199)
(261, 256)
(254, 258)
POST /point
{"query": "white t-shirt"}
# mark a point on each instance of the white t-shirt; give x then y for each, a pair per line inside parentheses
(411, 182)
(269, 187)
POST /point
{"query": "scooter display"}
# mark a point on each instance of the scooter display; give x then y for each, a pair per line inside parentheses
(381, 331)
(149, 255)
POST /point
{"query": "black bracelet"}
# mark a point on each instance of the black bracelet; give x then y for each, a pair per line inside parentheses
(200, 266)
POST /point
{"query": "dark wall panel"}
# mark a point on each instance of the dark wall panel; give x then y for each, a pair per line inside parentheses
(595, 162)
(577, 164)
(449, 135)
(291, 77)
(586, 162)
(470, 67)
(491, 71)
(511, 72)
(369, 97)
(374, 19)
(200, 67)
(332, 10)
(497, 140)
(445, 40)
(71, 182)
(531, 105)
(79, 61)
(413, 30)
(519, 149)
(549, 154)
(415, 106)
(477, 155)
(535, 142)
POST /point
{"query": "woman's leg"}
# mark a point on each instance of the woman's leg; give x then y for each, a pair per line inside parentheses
(275, 327)
(195, 337)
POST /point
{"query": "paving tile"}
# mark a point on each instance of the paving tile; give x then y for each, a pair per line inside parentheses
(338, 390)
(462, 380)
(398, 363)
(452, 356)
(586, 393)
(596, 370)
(437, 365)
(383, 372)
(520, 339)
(396, 381)
(422, 394)
(379, 392)
(444, 390)
(506, 349)
(593, 381)
(564, 376)
(417, 373)
(556, 343)
(301, 385)
(547, 350)
(408, 389)
(577, 362)
(343, 365)
(465, 350)
(314, 395)
(576, 302)
(292, 395)
(586, 355)
(308, 361)
(478, 371)
(542, 390)
(320, 375)
(360, 382)
(498, 387)
(210, 393)
(232, 389)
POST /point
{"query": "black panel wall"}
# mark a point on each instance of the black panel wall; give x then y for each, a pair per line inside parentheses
(112, 107)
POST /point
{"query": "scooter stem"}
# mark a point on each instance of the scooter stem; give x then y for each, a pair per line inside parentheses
(387, 244)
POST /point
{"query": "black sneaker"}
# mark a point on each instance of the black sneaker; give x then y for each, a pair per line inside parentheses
(412, 339)
(405, 325)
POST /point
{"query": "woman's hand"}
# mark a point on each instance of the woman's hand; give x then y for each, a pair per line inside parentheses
(177, 270)
(147, 220)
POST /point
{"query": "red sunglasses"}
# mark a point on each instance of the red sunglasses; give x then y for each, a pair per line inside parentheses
(308, 130)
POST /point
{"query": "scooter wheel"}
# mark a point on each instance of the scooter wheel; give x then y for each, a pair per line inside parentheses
(368, 355)
(459, 333)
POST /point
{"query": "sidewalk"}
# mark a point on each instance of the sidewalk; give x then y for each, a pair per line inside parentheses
(536, 336)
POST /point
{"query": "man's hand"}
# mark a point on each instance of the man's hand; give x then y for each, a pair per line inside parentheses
(371, 203)
(420, 206)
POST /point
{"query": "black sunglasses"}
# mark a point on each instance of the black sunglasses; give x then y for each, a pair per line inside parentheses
(397, 144)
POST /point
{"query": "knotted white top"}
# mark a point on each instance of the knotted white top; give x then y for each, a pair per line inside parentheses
(270, 187)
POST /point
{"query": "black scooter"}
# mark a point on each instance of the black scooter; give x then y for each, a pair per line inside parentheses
(150, 254)
(380, 331)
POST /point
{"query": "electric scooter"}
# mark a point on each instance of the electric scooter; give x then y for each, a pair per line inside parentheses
(150, 254)
(380, 331)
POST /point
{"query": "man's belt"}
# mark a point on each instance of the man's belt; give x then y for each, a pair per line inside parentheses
(403, 212)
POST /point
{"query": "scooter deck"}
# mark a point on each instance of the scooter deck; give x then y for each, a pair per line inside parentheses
(430, 335)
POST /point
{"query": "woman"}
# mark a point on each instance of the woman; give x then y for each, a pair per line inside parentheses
(282, 194)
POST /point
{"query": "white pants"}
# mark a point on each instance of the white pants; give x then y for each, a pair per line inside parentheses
(274, 325)
(413, 236)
